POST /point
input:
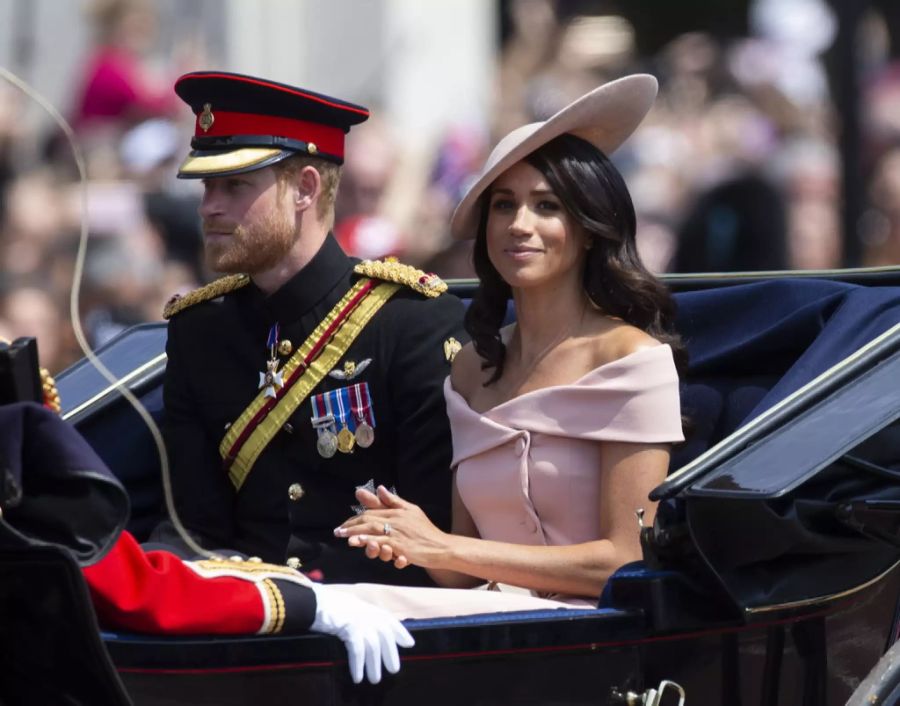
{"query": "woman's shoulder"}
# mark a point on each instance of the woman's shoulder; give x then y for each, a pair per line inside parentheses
(465, 371)
(618, 340)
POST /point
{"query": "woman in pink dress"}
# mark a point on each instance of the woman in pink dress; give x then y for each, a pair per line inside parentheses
(562, 422)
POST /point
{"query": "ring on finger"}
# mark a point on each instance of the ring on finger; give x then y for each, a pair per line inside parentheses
(387, 529)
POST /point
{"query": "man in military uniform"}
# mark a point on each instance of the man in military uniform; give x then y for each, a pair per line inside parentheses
(303, 374)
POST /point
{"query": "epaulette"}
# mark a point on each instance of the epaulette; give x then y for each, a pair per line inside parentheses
(390, 270)
(214, 289)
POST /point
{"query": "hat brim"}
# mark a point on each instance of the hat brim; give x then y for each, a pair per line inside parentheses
(201, 164)
(605, 117)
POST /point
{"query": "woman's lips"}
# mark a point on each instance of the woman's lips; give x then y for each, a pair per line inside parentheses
(522, 253)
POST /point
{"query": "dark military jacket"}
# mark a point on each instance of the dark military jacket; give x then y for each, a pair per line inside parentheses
(293, 498)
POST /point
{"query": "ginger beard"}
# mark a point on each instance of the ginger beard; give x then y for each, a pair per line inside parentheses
(250, 248)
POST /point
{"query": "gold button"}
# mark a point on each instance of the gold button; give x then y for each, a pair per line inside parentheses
(311, 148)
(295, 491)
(294, 563)
(285, 347)
(235, 557)
(255, 560)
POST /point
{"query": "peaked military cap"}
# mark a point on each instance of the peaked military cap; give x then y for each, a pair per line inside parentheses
(245, 123)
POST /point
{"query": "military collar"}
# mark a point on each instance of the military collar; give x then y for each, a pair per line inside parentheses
(328, 267)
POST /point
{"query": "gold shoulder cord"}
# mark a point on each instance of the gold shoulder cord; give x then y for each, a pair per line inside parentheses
(390, 270)
(213, 290)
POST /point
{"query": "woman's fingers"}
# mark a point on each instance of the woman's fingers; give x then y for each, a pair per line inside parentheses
(373, 548)
(368, 499)
(388, 499)
(369, 522)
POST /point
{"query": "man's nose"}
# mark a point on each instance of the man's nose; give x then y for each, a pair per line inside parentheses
(210, 204)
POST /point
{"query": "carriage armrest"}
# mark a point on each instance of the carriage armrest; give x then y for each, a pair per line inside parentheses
(669, 599)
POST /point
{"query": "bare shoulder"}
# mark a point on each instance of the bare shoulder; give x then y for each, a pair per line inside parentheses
(465, 372)
(621, 340)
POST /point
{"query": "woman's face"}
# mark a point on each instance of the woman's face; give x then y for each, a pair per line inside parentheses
(531, 238)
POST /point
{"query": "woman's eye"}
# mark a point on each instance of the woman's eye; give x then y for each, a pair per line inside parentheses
(502, 204)
(548, 205)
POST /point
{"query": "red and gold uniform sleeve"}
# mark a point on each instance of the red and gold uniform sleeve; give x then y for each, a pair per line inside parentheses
(157, 592)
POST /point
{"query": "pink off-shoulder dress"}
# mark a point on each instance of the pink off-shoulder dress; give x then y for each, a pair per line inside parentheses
(528, 470)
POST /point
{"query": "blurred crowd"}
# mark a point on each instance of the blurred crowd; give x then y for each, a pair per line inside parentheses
(736, 168)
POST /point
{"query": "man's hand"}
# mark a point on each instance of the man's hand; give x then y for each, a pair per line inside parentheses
(370, 634)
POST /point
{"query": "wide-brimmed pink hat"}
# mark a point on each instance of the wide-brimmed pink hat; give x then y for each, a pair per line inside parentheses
(605, 117)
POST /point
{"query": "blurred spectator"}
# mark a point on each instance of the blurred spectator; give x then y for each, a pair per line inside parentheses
(807, 170)
(33, 221)
(118, 88)
(881, 223)
(30, 311)
(739, 224)
(117, 289)
(11, 129)
(361, 226)
(150, 153)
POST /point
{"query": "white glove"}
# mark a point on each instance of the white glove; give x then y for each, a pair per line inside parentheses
(370, 634)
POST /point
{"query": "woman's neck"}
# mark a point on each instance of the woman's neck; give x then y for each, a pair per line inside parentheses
(546, 316)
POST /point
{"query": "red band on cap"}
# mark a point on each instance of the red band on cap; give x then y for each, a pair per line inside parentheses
(227, 124)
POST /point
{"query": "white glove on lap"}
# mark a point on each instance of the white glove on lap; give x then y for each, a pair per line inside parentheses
(370, 634)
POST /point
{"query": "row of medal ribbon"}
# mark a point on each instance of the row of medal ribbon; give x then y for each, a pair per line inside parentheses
(343, 419)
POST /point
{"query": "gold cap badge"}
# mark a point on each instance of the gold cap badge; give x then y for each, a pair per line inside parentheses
(206, 119)
(311, 148)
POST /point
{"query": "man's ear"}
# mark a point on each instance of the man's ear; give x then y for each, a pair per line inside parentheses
(307, 188)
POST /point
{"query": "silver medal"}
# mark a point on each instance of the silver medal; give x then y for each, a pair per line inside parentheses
(365, 434)
(327, 443)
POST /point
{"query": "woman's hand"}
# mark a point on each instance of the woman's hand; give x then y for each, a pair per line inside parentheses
(392, 529)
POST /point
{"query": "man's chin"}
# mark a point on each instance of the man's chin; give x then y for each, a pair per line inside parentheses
(224, 264)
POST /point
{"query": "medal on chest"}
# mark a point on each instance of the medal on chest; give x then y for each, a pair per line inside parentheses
(343, 419)
(326, 439)
(271, 380)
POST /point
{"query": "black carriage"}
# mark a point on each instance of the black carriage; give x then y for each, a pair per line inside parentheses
(769, 576)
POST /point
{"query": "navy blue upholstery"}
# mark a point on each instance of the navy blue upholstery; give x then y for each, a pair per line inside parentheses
(123, 442)
(514, 616)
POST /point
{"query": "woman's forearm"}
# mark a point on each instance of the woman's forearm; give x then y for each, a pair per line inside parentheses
(453, 579)
(577, 569)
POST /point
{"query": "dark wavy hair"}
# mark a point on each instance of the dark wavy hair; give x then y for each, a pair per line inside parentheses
(594, 193)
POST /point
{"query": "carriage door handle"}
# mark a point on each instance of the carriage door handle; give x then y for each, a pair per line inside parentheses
(651, 697)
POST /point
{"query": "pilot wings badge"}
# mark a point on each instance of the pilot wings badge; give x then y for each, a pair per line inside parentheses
(351, 369)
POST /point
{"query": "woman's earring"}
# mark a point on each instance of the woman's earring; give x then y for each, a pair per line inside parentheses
(588, 243)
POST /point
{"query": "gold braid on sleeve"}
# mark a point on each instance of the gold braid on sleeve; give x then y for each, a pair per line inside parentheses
(50, 391)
